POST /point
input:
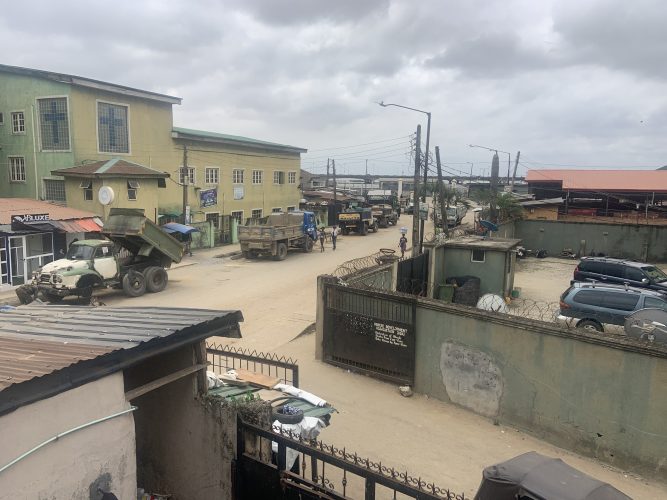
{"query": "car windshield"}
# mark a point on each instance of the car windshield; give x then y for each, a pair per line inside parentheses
(80, 252)
(655, 274)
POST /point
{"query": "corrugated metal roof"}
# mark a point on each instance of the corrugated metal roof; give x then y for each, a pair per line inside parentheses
(651, 181)
(187, 133)
(38, 340)
(111, 168)
(21, 206)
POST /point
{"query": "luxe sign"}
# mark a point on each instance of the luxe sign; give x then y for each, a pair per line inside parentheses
(18, 220)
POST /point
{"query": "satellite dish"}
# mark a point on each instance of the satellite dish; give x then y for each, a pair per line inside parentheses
(493, 302)
(106, 195)
(647, 323)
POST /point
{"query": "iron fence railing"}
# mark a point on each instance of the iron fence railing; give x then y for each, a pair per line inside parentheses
(330, 471)
(223, 358)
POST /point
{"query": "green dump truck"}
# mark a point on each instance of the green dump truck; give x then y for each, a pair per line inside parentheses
(134, 257)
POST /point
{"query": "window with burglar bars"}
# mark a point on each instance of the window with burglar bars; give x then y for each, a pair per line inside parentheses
(17, 169)
(238, 216)
(215, 218)
(237, 176)
(278, 177)
(18, 122)
(291, 209)
(291, 178)
(191, 175)
(132, 187)
(256, 213)
(54, 190)
(53, 124)
(257, 176)
(87, 186)
(112, 127)
(212, 175)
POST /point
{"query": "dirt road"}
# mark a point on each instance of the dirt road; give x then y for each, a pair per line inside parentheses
(437, 441)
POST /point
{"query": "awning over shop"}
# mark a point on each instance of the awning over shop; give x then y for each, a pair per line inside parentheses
(88, 225)
(175, 227)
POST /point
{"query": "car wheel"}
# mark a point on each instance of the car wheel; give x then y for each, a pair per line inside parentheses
(590, 325)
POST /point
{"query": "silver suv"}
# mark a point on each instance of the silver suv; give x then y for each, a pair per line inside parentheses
(591, 306)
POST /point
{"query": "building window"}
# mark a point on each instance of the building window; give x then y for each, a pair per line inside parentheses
(257, 176)
(132, 187)
(87, 187)
(17, 169)
(191, 176)
(18, 122)
(237, 176)
(215, 218)
(2, 119)
(112, 128)
(212, 175)
(278, 177)
(256, 213)
(291, 178)
(291, 209)
(53, 124)
(54, 190)
(238, 216)
(276, 210)
(478, 256)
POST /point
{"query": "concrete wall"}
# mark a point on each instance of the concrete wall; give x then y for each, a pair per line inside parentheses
(541, 213)
(639, 242)
(184, 445)
(452, 262)
(75, 465)
(593, 394)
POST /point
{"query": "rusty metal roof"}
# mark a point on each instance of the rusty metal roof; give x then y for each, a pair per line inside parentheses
(45, 350)
(111, 168)
(22, 206)
(650, 181)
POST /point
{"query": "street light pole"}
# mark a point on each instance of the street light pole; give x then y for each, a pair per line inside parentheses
(426, 154)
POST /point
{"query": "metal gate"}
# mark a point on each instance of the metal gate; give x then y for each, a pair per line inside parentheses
(412, 275)
(303, 469)
(371, 332)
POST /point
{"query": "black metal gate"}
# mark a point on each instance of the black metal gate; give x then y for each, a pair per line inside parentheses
(309, 469)
(412, 276)
(371, 332)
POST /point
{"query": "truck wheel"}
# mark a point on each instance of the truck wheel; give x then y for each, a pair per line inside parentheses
(52, 298)
(364, 229)
(134, 284)
(374, 227)
(308, 245)
(281, 252)
(156, 279)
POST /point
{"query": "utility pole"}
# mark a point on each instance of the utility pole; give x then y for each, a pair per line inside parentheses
(495, 167)
(516, 164)
(428, 137)
(333, 163)
(441, 191)
(185, 175)
(416, 245)
(326, 183)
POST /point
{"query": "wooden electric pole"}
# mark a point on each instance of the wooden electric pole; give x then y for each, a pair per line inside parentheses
(516, 164)
(326, 183)
(185, 176)
(416, 247)
(333, 164)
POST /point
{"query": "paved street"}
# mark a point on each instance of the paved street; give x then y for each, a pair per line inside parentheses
(436, 441)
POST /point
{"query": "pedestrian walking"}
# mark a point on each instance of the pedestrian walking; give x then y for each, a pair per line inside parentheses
(322, 236)
(334, 236)
(403, 244)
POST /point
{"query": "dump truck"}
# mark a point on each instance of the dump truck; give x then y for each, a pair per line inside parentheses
(455, 215)
(276, 233)
(384, 207)
(357, 219)
(134, 257)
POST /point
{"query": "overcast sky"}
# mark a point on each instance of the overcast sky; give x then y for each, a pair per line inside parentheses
(570, 83)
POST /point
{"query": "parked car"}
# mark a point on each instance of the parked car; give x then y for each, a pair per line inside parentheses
(605, 270)
(593, 305)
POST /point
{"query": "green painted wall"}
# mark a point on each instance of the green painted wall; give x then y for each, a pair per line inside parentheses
(19, 93)
(602, 397)
(451, 262)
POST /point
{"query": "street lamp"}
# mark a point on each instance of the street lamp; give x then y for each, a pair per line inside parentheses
(509, 158)
(428, 137)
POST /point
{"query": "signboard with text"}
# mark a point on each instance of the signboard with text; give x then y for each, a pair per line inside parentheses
(208, 197)
(19, 220)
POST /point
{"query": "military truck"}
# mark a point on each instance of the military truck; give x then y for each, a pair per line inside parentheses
(134, 258)
(384, 207)
(357, 219)
(276, 233)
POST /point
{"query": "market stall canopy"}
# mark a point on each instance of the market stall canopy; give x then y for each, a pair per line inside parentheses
(534, 476)
(175, 227)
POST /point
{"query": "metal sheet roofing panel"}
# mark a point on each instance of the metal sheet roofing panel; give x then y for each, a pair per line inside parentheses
(38, 340)
(650, 181)
(19, 206)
